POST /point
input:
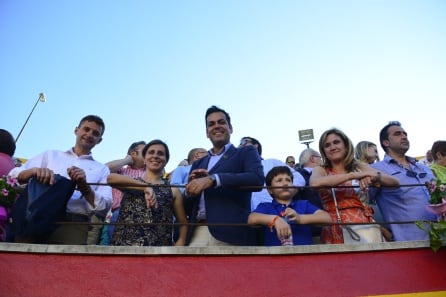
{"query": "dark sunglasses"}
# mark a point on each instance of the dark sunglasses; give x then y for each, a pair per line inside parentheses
(411, 173)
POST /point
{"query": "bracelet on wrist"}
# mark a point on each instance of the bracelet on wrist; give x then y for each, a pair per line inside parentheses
(378, 180)
(378, 177)
(273, 223)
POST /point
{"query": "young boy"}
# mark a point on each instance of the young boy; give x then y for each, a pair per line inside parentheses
(284, 217)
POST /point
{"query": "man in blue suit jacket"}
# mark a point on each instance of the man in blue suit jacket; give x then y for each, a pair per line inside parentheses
(220, 187)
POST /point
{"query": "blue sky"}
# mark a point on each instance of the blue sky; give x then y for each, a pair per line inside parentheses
(150, 69)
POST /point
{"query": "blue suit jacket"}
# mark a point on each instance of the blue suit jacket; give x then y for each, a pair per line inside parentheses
(38, 208)
(228, 204)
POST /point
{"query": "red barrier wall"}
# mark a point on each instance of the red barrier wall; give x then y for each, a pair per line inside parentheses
(329, 274)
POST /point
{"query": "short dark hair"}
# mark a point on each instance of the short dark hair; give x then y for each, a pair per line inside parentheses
(7, 143)
(134, 145)
(213, 109)
(254, 141)
(275, 171)
(93, 118)
(157, 141)
(438, 147)
(384, 133)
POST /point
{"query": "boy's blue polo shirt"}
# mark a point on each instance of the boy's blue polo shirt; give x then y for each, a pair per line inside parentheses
(301, 233)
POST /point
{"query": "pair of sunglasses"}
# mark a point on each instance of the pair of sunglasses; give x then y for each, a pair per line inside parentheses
(411, 173)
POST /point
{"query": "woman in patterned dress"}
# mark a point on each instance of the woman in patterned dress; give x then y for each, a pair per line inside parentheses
(146, 213)
(339, 168)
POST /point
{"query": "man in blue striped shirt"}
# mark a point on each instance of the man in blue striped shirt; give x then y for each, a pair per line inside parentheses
(406, 203)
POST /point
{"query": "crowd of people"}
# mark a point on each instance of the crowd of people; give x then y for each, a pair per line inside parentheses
(228, 195)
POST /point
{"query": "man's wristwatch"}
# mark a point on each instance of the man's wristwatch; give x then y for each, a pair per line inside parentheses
(213, 178)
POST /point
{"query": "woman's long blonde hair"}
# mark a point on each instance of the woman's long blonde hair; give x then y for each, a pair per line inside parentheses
(350, 163)
(362, 151)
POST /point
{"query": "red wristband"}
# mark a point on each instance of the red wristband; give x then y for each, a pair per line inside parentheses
(273, 222)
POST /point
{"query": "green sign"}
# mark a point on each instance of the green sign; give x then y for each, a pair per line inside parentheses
(306, 135)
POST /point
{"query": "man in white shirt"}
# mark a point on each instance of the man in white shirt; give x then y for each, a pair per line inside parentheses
(78, 165)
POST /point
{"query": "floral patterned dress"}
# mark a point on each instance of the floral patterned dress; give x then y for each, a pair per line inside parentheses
(134, 211)
(350, 207)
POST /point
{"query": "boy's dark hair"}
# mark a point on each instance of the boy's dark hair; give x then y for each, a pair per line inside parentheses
(275, 172)
(213, 109)
(157, 141)
(93, 118)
